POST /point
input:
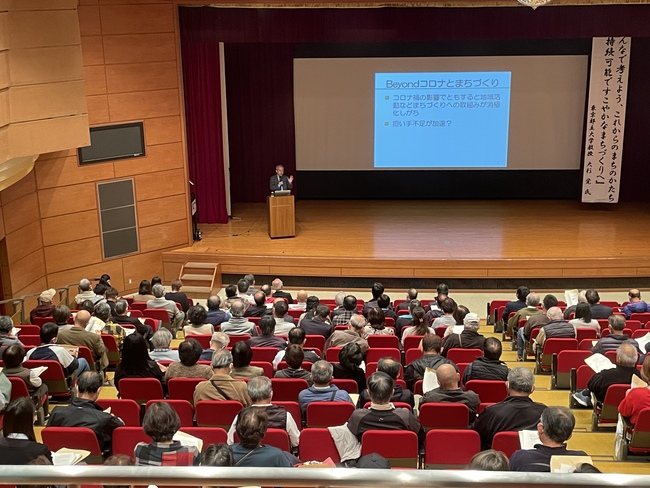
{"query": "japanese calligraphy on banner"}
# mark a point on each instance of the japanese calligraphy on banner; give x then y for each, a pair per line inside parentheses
(610, 62)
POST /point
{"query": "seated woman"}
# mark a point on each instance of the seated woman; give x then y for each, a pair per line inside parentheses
(61, 315)
(242, 355)
(144, 292)
(189, 353)
(136, 363)
(637, 399)
(160, 423)
(583, 318)
(251, 427)
(348, 367)
(376, 324)
(419, 326)
(18, 444)
(13, 358)
(196, 317)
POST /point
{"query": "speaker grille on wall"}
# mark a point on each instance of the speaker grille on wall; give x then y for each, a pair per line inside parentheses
(117, 218)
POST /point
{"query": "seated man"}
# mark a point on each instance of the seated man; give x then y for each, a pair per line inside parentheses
(555, 427)
(278, 292)
(258, 308)
(222, 386)
(7, 337)
(162, 351)
(532, 300)
(556, 328)
(84, 411)
(377, 290)
(294, 356)
(121, 317)
(283, 322)
(319, 324)
(611, 342)
(430, 346)
(176, 317)
(218, 341)
(448, 391)
(382, 415)
(215, 315)
(296, 336)
(468, 339)
(48, 350)
(626, 358)
(517, 412)
(534, 322)
(354, 332)
(391, 368)
(636, 305)
(177, 296)
(267, 338)
(251, 427)
(348, 309)
(515, 306)
(238, 324)
(261, 392)
(489, 366)
(79, 336)
(44, 307)
(86, 293)
(301, 301)
(322, 391)
(598, 311)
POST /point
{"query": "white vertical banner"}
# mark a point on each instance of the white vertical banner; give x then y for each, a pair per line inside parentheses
(610, 63)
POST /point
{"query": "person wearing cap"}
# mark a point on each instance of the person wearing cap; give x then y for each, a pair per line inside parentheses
(468, 339)
(45, 307)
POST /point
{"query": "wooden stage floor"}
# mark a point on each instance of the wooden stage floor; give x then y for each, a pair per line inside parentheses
(432, 239)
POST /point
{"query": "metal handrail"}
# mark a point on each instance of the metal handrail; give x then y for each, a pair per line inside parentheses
(316, 477)
(17, 311)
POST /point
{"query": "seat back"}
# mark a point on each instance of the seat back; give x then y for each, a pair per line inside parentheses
(613, 397)
(277, 438)
(183, 408)
(158, 314)
(126, 438)
(412, 342)
(287, 389)
(562, 365)
(551, 346)
(138, 305)
(217, 413)
(209, 435)
(125, 408)
(266, 366)
(313, 341)
(586, 344)
(411, 355)
(642, 317)
(400, 447)
(53, 376)
(585, 333)
(640, 438)
(306, 365)
(350, 386)
(326, 414)
(141, 389)
(264, 353)
(444, 416)
(27, 329)
(112, 350)
(383, 341)
(375, 354)
(234, 339)
(40, 321)
(460, 355)
(637, 323)
(203, 339)
(292, 408)
(332, 354)
(506, 442)
(183, 388)
(30, 340)
(489, 391)
(583, 375)
(74, 438)
(439, 455)
(317, 445)
(18, 388)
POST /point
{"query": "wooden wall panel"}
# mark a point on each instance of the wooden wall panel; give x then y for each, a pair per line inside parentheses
(92, 50)
(159, 158)
(127, 19)
(29, 29)
(30, 302)
(141, 76)
(40, 4)
(42, 101)
(113, 268)
(24, 241)
(4, 69)
(4, 42)
(163, 209)
(2, 227)
(163, 129)
(65, 171)
(48, 64)
(95, 78)
(143, 105)
(4, 107)
(18, 189)
(163, 236)
(141, 267)
(89, 21)
(57, 230)
(151, 186)
(53, 134)
(139, 48)
(26, 271)
(98, 110)
(73, 254)
(20, 211)
(67, 199)
(171, 271)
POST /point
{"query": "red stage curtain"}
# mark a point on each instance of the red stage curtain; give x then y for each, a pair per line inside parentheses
(203, 121)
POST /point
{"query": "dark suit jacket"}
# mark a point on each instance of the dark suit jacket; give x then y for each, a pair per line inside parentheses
(274, 183)
(283, 294)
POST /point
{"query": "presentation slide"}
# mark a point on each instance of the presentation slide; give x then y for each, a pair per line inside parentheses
(442, 120)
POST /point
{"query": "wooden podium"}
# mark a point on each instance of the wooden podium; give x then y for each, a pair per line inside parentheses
(282, 216)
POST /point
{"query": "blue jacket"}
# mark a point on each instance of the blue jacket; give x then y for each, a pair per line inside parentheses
(313, 394)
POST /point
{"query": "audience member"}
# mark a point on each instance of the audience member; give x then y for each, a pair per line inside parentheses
(635, 305)
(338, 309)
(411, 294)
(598, 311)
(144, 292)
(216, 316)
(448, 307)
(121, 317)
(177, 296)
(301, 301)
(176, 317)
(554, 428)
(161, 422)
(242, 355)
(111, 299)
(86, 293)
(468, 339)
(349, 365)
(342, 315)
(251, 427)
(196, 316)
(238, 324)
(353, 334)
(7, 337)
(258, 308)
(13, 357)
(583, 318)
(48, 350)
(376, 324)
(517, 412)
(404, 321)
(611, 342)
(489, 460)
(294, 356)
(18, 443)
(218, 455)
(218, 341)
(61, 315)
(448, 391)
(317, 323)
(102, 323)
(84, 411)
(135, 362)
(460, 313)
(251, 283)
(637, 399)
(268, 338)
(377, 290)
(231, 297)
(383, 303)
(489, 366)
(515, 306)
(532, 300)
(162, 341)
(382, 415)
(392, 368)
(283, 322)
(431, 346)
(278, 292)
(419, 326)
(572, 308)
(261, 392)
(221, 386)
(310, 309)
(156, 280)
(189, 353)
(321, 390)
(44, 306)
(534, 322)
(297, 336)
(556, 328)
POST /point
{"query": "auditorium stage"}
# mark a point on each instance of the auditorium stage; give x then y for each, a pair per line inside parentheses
(478, 243)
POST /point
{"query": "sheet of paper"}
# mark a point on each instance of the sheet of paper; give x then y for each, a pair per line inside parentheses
(642, 341)
(15, 331)
(39, 370)
(430, 380)
(638, 382)
(188, 440)
(599, 363)
(528, 439)
(571, 297)
(128, 331)
(458, 329)
(69, 457)
(566, 464)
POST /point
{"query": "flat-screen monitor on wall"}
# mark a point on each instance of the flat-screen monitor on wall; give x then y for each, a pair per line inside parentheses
(113, 142)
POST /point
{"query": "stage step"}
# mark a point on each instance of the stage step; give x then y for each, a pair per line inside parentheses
(199, 278)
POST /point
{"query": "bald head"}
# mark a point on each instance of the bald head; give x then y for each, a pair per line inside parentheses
(302, 296)
(555, 313)
(82, 318)
(448, 378)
